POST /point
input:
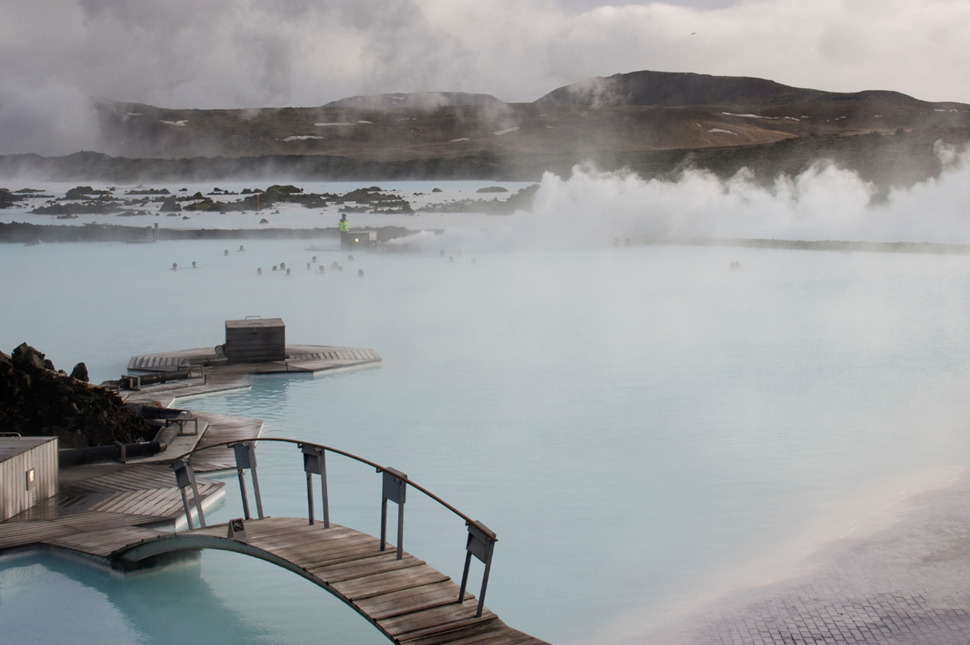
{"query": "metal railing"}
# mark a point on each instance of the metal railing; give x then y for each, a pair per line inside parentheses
(480, 542)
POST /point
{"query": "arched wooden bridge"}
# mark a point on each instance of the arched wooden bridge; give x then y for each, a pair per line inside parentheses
(406, 599)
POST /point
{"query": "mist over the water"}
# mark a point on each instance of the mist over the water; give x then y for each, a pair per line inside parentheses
(593, 208)
(663, 420)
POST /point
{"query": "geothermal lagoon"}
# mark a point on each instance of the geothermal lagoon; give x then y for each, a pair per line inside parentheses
(644, 427)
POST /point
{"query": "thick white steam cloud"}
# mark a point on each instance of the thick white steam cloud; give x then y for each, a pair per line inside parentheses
(592, 208)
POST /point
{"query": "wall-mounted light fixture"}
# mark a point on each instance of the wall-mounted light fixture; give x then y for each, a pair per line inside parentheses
(31, 479)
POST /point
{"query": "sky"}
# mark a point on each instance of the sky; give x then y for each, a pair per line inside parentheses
(55, 54)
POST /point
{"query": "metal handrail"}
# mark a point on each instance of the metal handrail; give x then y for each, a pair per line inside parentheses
(344, 453)
(481, 539)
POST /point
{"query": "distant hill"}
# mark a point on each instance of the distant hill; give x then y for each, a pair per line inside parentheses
(420, 100)
(670, 89)
(637, 118)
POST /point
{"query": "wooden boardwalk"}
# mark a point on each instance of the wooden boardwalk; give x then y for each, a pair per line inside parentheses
(299, 358)
(222, 428)
(221, 377)
(408, 600)
(101, 508)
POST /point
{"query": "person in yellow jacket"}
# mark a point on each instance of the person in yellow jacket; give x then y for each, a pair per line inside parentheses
(344, 227)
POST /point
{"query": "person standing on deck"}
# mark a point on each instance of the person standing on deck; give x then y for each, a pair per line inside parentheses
(344, 227)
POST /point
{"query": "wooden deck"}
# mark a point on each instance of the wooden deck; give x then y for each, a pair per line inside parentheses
(408, 600)
(221, 377)
(102, 507)
(222, 428)
(299, 358)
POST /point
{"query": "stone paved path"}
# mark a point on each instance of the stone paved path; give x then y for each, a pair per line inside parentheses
(909, 583)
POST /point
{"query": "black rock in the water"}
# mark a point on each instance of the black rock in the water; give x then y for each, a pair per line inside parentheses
(170, 205)
(8, 199)
(80, 372)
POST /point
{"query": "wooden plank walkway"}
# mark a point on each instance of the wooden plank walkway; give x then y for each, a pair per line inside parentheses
(222, 428)
(102, 507)
(407, 599)
(107, 504)
(221, 377)
(299, 358)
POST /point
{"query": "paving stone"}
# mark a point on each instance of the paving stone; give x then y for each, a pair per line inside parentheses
(904, 585)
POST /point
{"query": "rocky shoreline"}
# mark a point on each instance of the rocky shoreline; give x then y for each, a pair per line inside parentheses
(37, 400)
(26, 233)
(885, 160)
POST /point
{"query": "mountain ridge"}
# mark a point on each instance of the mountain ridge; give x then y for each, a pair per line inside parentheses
(638, 117)
(679, 89)
(421, 100)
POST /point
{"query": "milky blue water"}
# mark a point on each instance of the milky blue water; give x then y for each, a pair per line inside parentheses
(636, 424)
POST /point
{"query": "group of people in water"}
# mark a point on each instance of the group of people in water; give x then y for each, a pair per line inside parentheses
(344, 228)
(195, 265)
(334, 266)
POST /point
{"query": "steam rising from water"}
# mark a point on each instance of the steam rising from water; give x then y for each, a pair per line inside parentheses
(592, 208)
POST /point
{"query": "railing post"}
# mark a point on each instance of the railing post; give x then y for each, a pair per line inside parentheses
(259, 500)
(395, 490)
(185, 477)
(481, 544)
(245, 453)
(315, 463)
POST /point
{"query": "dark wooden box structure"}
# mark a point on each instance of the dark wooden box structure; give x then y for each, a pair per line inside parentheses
(255, 340)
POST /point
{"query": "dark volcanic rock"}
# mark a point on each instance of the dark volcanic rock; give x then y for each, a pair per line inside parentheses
(37, 401)
(170, 205)
(80, 372)
(8, 199)
(27, 358)
(205, 205)
(521, 200)
(85, 192)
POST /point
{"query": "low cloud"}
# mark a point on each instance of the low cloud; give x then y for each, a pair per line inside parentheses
(49, 119)
(248, 53)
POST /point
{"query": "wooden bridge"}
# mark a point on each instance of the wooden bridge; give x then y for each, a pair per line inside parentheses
(406, 599)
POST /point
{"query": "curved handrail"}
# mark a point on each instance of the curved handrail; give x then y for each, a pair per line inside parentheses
(344, 453)
(481, 539)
